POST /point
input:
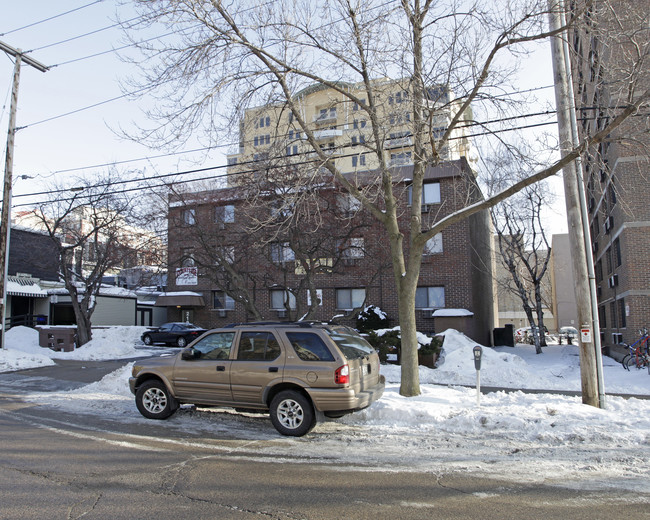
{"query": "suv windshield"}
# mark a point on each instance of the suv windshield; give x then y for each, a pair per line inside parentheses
(351, 344)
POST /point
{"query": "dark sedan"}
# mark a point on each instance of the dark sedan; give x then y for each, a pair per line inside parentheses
(175, 334)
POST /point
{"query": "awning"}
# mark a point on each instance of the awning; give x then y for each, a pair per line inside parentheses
(25, 287)
(180, 299)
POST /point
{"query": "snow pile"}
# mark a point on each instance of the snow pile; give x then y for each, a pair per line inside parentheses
(107, 343)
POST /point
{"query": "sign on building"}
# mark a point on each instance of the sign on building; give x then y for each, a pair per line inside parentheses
(187, 276)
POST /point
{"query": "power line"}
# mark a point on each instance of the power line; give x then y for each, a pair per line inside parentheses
(257, 168)
(50, 18)
(80, 36)
(226, 145)
(257, 163)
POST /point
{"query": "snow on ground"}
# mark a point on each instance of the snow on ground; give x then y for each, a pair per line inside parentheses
(532, 437)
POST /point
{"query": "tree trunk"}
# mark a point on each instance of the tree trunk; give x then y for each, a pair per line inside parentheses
(410, 381)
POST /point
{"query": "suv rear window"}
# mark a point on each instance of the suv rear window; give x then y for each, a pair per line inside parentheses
(351, 344)
(309, 346)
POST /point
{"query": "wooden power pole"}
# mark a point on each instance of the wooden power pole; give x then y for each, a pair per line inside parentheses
(5, 215)
(592, 388)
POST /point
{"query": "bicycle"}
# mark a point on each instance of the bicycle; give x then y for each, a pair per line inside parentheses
(639, 355)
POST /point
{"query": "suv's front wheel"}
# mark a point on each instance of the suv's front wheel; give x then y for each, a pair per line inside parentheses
(292, 413)
(154, 400)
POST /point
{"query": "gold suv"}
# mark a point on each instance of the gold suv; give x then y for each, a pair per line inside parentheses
(293, 370)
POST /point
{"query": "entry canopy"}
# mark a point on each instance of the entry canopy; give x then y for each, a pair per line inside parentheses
(180, 299)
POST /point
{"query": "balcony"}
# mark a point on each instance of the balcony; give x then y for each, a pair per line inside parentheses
(398, 142)
(327, 133)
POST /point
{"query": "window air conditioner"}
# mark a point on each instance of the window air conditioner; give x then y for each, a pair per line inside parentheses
(609, 224)
(282, 313)
(613, 281)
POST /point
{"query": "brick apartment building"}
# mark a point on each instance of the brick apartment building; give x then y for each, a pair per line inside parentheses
(244, 273)
(617, 171)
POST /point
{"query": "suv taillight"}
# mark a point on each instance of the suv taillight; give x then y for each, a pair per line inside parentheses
(342, 375)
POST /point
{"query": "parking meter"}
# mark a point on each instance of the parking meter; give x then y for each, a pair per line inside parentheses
(478, 353)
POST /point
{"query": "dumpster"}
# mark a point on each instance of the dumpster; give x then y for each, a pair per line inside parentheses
(58, 338)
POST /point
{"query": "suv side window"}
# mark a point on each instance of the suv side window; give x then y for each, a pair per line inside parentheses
(215, 346)
(309, 347)
(258, 346)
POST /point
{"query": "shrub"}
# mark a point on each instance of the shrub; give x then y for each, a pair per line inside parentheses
(371, 318)
(386, 343)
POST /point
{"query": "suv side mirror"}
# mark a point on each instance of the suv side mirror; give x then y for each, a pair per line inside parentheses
(189, 354)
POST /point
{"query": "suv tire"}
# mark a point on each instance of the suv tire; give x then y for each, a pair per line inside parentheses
(154, 400)
(292, 413)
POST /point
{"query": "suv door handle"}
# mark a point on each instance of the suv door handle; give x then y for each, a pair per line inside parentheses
(221, 368)
(273, 369)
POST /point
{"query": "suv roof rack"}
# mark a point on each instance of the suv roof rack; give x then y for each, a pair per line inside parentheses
(302, 324)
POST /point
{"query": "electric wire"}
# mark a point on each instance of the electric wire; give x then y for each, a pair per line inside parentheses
(233, 174)
(51, 18)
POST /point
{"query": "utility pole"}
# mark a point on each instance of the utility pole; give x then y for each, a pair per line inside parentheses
(576, 215)
(5, 215)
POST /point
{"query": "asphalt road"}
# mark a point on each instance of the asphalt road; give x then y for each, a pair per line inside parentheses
(86, 466)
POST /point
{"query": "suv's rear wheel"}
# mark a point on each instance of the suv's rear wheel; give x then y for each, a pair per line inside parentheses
(154, 400)
(292, 413)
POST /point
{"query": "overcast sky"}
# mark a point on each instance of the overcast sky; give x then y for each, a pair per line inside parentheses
(57, 141)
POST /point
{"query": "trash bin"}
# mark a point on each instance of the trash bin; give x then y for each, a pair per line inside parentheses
(58, 338)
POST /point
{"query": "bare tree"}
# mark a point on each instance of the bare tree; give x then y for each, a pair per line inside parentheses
(525, 253)
(90, 225)
(242, 54)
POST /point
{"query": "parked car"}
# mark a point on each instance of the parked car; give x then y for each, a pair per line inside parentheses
(292, 370)
(568, 333)
(525, 335)
(175, 334)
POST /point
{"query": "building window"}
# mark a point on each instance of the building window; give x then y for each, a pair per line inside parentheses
(602, 317)
(622, 319)
(292, 150)
(355, 106)
(348, 299)
(189, 217)
(359, 123)
(348, 204)
(430, 298)
(326, 113)
(401, 158)
(232, 161)
(281, 299)
(221, 301)
(430, 193)
(352, 248)
(187, 257)
(224, 214)
(281, 252)
(359, 160)
(618, 260)
(433, 245)
(265, 121)
(599, 271)
(608, 256)
(225, 254)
